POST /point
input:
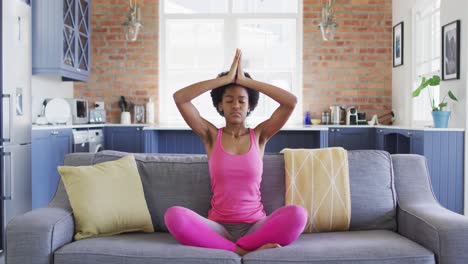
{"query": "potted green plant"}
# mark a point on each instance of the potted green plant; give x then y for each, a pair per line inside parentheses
(439, 116)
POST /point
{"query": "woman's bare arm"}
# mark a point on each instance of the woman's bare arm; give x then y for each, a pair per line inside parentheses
(183, 99)
(287, 101)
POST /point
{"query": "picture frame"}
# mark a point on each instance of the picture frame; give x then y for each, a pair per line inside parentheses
(398, 44)
(451, 51)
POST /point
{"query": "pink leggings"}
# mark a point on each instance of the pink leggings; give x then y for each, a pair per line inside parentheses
(283, 226)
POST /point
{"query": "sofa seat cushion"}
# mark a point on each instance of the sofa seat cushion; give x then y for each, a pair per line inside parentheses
(374, 246)
(139, 248)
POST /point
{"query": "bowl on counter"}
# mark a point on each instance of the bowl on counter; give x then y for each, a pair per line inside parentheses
(315, 121)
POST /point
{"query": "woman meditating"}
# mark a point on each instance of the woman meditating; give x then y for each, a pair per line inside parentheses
(235, 158)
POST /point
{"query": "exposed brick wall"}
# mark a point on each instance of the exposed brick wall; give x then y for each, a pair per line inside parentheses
(356, 68)
(119, 67)
(353, 70)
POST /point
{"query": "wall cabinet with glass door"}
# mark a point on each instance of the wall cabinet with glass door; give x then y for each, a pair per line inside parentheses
(61, 38)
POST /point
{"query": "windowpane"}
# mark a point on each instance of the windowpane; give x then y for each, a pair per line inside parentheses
(198, 45)
(265, 6)
(195, 7)
(179, 79)
(427, 56)
(194, 44)
(268, 43)
(280, 79)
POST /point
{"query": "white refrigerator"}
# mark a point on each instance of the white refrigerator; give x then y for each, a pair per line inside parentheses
(15, 118)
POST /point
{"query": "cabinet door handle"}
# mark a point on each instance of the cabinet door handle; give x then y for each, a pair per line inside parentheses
(380, 131)
(337, 130)
(332, 130)
(55, 132)
(138, 129)
(410, 134)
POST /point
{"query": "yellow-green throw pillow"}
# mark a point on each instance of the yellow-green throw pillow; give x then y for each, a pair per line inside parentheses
(106, 198)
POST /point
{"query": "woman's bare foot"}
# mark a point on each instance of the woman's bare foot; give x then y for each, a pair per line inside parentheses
(241, 252)
(269, 245)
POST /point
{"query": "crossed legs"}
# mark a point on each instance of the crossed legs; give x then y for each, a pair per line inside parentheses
(280, 228)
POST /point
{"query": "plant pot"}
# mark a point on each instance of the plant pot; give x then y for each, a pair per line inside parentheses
(440, 118)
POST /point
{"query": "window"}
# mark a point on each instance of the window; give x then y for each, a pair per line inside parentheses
(426, 50)
(198, 39)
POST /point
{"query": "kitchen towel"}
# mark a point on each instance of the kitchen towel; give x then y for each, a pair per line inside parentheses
(318, 180)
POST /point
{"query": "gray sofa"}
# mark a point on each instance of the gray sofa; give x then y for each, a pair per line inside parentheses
(413, 228)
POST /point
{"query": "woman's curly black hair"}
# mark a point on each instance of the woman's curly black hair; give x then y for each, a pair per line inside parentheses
(217, 94)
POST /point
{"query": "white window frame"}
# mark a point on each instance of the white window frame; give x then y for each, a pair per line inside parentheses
(415, 78)
(231, 19)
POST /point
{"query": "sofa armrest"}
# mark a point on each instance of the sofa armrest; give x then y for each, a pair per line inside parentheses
(420, 216)
(33, 237)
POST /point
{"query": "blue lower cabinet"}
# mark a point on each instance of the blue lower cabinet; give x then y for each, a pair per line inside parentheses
(444, 153)
(185, 141)
(150, 141)
(293, 139)
(379, 139)
(126, 139)
(351, 138)
(394, 141)
(49, 148)
(179, 141)
(445, 160)
(416, 142)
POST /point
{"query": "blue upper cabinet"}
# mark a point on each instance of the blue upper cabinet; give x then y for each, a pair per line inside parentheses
(61, 38)
(351, 138)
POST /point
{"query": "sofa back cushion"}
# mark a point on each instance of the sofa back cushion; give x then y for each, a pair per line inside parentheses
(373, 195)
(183, 179)
(170, 180)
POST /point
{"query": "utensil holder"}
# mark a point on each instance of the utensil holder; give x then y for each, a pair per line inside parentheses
(125, 118)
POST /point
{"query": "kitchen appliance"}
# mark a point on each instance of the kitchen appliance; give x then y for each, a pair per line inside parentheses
(97, 116)
(80, 140)
(336, 114)
(351, 116)
(85, 140)
(325, 118)
(96, 140)
(15, 117)
(79, 110)
(361, 118)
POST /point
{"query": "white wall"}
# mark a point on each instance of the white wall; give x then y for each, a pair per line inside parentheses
(450, 10)
(48, 87)
(401, 75)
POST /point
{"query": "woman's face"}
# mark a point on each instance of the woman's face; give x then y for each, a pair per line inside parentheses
(235, 104)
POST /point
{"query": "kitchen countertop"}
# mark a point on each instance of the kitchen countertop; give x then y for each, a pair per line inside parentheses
(45, 127)
(286, 128)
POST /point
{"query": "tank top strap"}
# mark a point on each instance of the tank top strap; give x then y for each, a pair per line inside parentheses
(218, 137)
(253, 138)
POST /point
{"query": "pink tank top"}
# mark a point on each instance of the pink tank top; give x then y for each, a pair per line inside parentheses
(235, 182)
